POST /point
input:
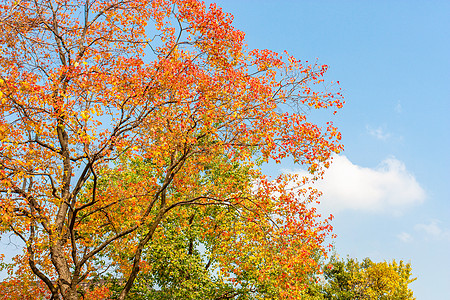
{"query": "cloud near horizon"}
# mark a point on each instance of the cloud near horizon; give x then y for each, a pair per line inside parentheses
(390, 187)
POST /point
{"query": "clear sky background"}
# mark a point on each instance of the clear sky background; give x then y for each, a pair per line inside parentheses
(389, 190)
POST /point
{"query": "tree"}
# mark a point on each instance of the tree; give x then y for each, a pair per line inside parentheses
(351, 279)
(88, 84)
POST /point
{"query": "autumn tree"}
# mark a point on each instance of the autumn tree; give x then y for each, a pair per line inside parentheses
(86, 85)
(350, 279)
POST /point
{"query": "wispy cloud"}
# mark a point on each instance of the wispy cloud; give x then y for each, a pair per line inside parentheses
(390, 187)
(379, 133)
(434, 230)
(405, 237)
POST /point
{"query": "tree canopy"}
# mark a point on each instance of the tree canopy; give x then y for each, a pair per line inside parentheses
(122, 121)
(350, 279)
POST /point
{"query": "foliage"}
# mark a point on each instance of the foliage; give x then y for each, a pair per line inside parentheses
(85, 85)
(209, 252)
(351, 279)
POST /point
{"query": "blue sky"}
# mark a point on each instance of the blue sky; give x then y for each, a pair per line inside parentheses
(389, 191)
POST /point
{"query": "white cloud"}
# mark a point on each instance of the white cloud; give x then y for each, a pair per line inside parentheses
(388, 188)
(378, 132)
(405, 237)
(434, 230)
